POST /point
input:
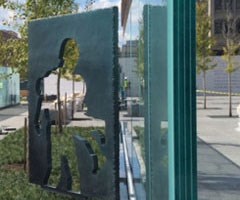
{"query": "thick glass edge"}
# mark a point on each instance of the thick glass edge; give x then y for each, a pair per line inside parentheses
(170, 63)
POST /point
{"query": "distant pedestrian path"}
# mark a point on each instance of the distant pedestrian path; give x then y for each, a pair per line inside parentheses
(13, 111)
(13, 117)
(218, 149)
(218, 177)
(217, 129)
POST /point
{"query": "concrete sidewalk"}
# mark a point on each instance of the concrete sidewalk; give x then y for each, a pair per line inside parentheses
(218, 177)
(218, 150)
(218, 130)
(13, 117)
(218, 144)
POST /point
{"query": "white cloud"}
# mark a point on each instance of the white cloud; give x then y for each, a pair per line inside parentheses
(106, 4)
(18, 1)
(133, 20)
(99, 4)
(135, 15)
(136, 11)
(123, 38)
(80, 8)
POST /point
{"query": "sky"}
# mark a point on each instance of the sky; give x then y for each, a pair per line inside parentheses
(5, 15)
(132, 28)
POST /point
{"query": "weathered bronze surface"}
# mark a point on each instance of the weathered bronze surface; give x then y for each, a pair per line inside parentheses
(96, 33)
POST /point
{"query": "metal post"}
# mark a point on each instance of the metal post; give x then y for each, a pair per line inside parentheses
(25, 166)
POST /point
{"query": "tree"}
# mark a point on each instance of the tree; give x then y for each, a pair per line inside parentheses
(204, 44)
(33, 9)
(71, 57)
(13, 53)
(140, 58)
(231, 38)
(24, 12)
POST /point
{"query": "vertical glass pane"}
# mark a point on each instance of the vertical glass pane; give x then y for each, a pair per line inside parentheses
(143, 60)
(156, 126)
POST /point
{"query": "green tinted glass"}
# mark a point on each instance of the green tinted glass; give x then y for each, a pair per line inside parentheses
(158, 59)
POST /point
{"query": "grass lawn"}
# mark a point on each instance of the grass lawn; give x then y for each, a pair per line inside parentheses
(141, 138)
(14, 181)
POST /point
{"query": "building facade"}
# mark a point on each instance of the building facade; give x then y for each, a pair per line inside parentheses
(128, 64)
(9, 87)
(217, 79)
(218, 10)
(9, 81)
(130, 49)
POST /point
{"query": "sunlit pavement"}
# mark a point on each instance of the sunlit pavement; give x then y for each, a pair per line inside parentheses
(218, 150)
(13, 117)
(217, 129)
(218, 144)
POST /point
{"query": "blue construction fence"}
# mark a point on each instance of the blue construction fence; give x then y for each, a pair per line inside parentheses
(9, 87)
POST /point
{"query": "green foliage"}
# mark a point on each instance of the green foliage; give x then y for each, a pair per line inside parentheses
(14, 52)
(15, 186)
(62, 144)
(11, 148)
(140, 133)
(229, 51)
(140, 58)
(71, 56)
(232, 45)
(42, 8)
(13, 179)
(205, 41)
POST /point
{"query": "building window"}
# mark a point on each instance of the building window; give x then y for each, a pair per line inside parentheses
(238, 26)
(227, 26)
(237, 4)
(218, 26)
(228, 4)
(218, 4)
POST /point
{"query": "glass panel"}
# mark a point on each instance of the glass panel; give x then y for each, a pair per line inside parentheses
(156, 101)
(143, 61)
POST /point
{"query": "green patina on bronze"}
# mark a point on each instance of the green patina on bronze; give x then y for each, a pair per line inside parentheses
(96, 33)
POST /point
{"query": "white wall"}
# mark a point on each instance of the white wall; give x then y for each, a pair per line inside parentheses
(128, 66)
(50, 86)
(217, 79)
(9, 88)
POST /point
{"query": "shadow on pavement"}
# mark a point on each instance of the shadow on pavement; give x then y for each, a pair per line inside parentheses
(218, 177)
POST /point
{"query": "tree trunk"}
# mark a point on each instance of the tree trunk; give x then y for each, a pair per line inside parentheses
(60, 127)
(83, 89)
(73, 95)
(230, 93)
(204, 91)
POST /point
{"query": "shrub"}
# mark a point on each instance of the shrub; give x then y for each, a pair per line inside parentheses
(14, 181)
